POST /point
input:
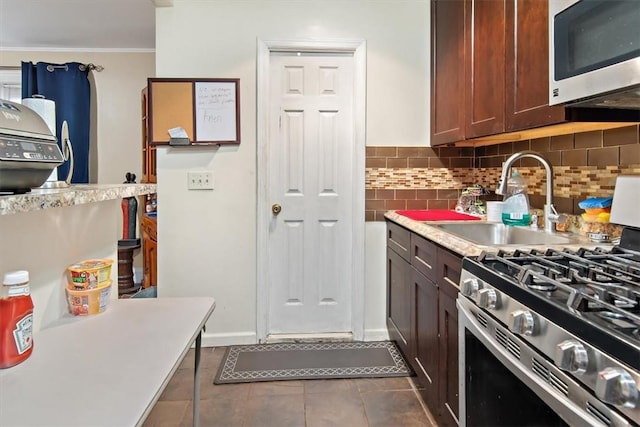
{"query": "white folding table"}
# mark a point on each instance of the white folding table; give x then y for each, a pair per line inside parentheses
(107, 369)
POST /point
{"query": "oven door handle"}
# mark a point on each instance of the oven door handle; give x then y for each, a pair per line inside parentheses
(467, 322)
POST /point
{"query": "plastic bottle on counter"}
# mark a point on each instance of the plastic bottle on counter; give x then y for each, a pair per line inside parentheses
(16, 319)
(515, 209)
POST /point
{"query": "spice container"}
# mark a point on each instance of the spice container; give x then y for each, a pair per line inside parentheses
(16, 319)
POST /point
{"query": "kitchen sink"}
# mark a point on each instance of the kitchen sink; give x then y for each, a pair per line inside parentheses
(497, 234)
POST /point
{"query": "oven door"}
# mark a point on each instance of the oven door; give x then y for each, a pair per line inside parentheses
(504, 382)
(594, 48)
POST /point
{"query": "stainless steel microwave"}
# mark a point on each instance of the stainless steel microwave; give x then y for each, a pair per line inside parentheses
(594, 53)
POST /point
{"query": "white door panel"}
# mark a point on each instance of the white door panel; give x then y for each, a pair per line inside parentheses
(311, 149)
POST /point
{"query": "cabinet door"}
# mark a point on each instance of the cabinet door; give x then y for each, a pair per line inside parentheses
(447, 71)
(399, 302)
(527, 65)
(485, 67)
(425, 323)
(448, 363)
(148, 150)
(449, 269)
(149, 251)
(150, 257)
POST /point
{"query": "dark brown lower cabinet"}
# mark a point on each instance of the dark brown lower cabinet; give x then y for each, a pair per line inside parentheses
(423, 320)
(448, 362)
(398, 301)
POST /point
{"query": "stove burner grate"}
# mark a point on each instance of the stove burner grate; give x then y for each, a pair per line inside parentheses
(606, 283)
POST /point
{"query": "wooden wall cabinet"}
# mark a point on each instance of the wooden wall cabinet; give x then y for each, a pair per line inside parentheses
(527, 66)
(148, 225)
(484, 67)
(489, 68)
(447, 71)
(422, 318)
(148, 150)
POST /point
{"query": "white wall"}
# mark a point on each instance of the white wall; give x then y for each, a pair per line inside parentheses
(46, 242)
(117, 134)
(118, 116)
(207, 240)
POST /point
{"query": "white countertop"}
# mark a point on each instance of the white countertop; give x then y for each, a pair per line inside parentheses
(466, 247)
(76, 194)
(103, 370)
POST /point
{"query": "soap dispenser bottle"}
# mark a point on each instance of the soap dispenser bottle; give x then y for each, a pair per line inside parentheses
(516, 202)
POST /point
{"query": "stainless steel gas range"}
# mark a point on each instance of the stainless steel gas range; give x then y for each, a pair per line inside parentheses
(552, 337)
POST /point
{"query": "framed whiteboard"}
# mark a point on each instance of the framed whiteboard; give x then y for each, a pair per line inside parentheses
(217, 111)
(208, 110)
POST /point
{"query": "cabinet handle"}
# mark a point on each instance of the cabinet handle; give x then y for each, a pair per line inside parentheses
(421, 261)
(451, 282)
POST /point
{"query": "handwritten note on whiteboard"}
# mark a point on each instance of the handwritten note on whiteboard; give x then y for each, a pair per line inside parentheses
(216, 111)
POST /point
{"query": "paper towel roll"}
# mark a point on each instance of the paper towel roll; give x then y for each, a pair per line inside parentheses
(45, 108)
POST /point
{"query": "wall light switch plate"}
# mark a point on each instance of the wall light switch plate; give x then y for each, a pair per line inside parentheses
(200, 180)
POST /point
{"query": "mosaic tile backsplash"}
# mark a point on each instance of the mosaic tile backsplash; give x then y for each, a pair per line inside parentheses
(584, 164)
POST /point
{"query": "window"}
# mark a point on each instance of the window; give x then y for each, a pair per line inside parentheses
(10, 85)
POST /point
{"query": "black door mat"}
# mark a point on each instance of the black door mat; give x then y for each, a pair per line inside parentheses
(305, 361)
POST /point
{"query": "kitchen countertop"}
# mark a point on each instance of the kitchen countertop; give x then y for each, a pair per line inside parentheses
(76, 194)
(466, 247)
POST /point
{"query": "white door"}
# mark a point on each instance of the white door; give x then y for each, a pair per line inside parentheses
(310, 187)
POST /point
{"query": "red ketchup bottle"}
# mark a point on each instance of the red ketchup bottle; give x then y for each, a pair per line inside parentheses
(16, 319)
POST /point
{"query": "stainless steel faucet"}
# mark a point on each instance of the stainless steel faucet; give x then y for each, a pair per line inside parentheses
(550, 214)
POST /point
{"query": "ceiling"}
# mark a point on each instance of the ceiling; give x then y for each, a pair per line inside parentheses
(77, 24)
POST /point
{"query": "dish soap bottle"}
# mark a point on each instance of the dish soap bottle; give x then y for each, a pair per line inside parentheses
(516, 202)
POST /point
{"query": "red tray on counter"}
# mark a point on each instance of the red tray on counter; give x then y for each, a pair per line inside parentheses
(437, 215)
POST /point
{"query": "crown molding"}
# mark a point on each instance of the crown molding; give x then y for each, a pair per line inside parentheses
(162, 3)
(79, 49)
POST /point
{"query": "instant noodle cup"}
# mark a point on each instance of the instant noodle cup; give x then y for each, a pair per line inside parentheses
(88, 301)
(90, 274)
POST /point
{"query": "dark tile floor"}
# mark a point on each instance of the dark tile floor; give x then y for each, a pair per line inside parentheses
(352, 402)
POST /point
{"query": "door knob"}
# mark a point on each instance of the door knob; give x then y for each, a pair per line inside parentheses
(276, 208)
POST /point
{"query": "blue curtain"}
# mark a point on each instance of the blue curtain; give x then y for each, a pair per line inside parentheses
(67, 85)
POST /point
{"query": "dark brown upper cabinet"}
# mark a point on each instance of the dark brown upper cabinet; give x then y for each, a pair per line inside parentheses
(447, 71)
(484, 67)
(489, 72)
(527, 63)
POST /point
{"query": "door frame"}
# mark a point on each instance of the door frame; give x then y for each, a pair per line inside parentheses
(264, 50)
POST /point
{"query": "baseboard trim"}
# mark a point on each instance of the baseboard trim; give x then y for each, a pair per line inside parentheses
(212, 339)
(376, 335)
(304, 338)
(227, 339)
